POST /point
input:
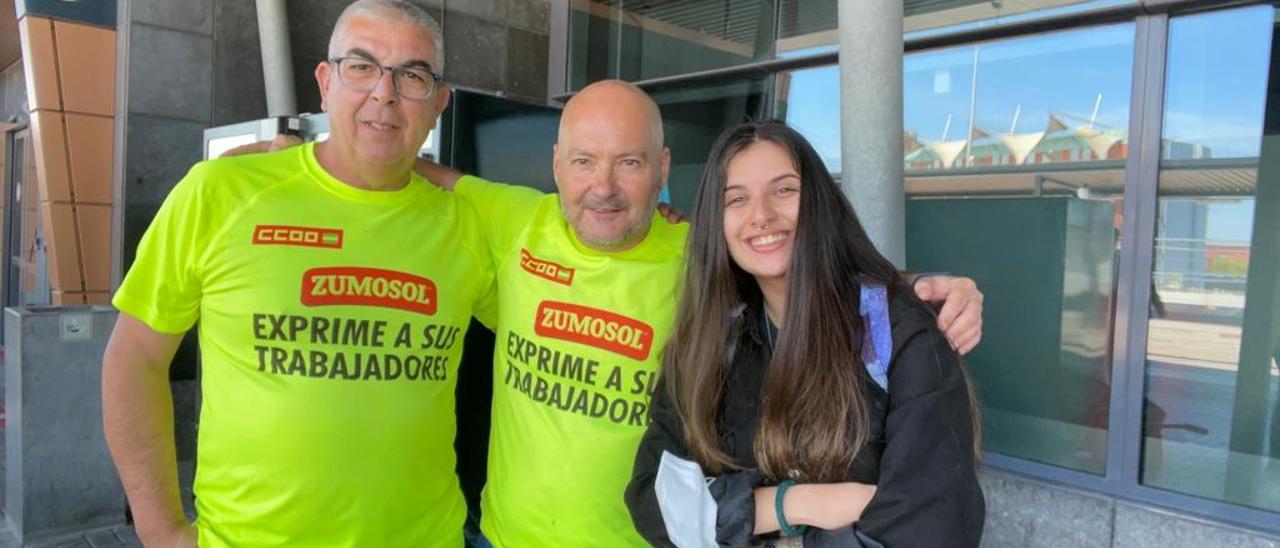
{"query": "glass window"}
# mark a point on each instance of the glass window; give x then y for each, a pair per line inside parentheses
(1015, 179)
(1059, 98)
(26, 279)
(1211, 412)
(692, 118)
(924, 16)
(809, 100)
(638, 40)
(1051, 98)
(806, 26)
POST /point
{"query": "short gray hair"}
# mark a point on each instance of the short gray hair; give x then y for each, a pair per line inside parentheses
(394, 10)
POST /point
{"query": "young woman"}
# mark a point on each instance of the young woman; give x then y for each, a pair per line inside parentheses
(803, 378)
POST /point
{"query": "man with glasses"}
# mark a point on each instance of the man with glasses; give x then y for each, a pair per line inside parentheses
(329, 345)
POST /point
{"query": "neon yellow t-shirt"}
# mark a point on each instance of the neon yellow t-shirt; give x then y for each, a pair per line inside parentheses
(331, 322)
(579, 339)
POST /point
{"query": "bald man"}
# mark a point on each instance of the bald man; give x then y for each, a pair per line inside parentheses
(587, 285)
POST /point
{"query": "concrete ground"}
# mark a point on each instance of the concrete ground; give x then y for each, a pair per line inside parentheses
(120, 536)
(115, 537)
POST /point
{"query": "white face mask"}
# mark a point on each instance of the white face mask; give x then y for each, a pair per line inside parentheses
(688, 510)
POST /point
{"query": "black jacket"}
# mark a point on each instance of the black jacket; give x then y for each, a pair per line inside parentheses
(920, 455)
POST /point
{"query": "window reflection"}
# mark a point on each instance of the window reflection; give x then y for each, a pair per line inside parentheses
(692, 117)
(639, 40)
(924, 16)
(1015, 176)
(807, 100)
(643, 39)
(26, 278)
(1211, 416)
(1056, 98)
(808, 24)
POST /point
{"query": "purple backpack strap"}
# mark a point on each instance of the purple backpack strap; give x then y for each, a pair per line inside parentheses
(877, 343)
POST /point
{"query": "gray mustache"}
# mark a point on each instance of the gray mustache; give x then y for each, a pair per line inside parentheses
(604, 204)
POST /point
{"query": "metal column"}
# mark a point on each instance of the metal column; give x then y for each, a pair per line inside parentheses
(871, 120)
(277, 62)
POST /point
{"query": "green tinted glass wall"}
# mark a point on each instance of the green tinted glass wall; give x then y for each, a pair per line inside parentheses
(1046, 267)
(635, 40)
(692, 118)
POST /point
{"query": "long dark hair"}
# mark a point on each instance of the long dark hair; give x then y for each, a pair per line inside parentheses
(814, 418)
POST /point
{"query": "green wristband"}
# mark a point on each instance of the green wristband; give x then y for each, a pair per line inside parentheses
(786, 528)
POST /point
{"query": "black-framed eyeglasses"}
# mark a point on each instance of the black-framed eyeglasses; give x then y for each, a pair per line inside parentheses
(361, 74)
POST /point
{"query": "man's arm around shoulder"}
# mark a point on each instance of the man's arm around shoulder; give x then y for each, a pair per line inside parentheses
(137, 415)
(440, 175)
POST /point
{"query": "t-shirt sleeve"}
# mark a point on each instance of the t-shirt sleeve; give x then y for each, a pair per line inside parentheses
(486, 307)
(504, 210)
(163, 287)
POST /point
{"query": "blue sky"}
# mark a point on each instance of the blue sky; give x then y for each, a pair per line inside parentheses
(1230, 222)
(1217, 80)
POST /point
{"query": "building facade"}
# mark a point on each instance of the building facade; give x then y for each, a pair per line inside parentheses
(1107, 170)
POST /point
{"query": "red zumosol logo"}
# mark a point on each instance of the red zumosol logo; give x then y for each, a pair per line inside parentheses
(545, 269)
(304, 236)
(593, 327)
(369, 287)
